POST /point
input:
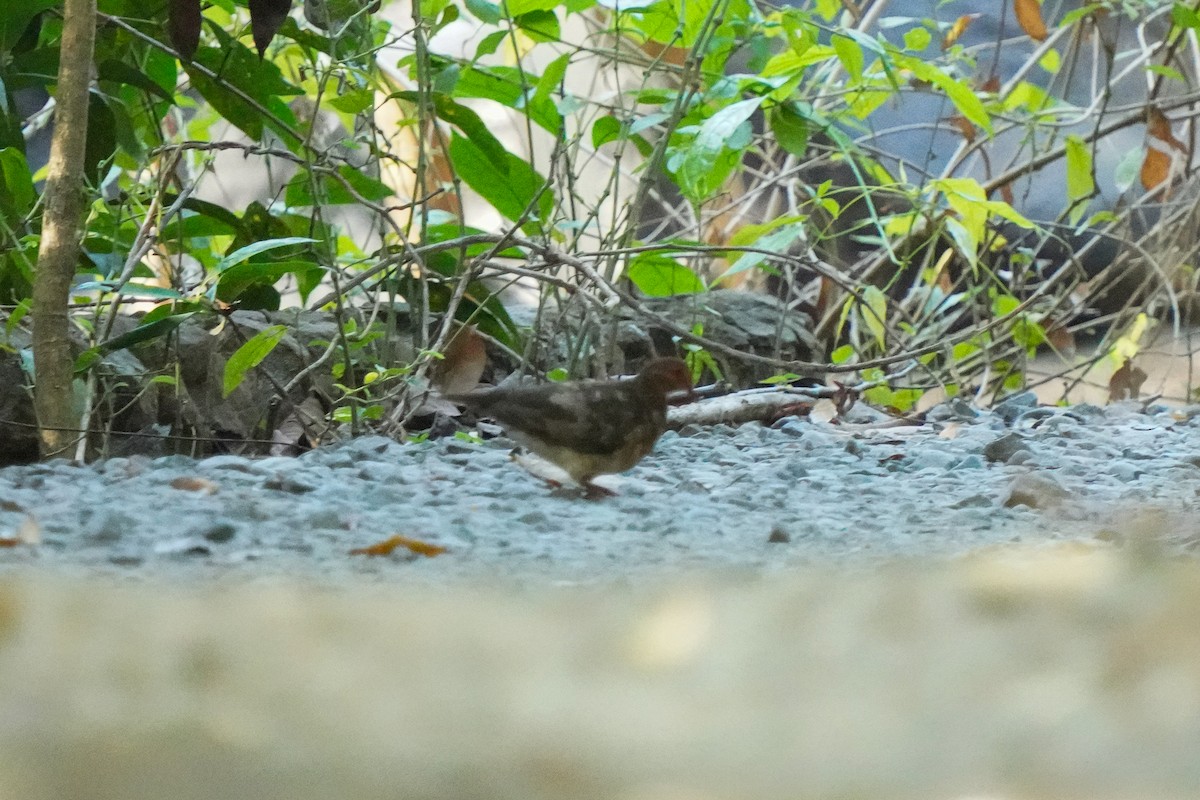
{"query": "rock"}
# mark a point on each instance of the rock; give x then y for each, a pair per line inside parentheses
(1014, 406)
(1036, 490)
(1004, 448)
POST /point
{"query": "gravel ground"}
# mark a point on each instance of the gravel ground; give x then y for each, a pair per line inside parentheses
(752, 497)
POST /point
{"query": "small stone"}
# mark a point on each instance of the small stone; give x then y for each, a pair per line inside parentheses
(975, 501)
(220, 532)
(1015, 405)
(1036, 490)
(286, 483)
(1002, 449)
(779, 536)
(953, 410)
(792, 426)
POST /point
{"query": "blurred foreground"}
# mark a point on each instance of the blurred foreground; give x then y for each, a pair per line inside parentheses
(1070, 671)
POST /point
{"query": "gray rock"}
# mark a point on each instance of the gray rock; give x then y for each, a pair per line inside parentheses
(1036, 490)
(1001, 450)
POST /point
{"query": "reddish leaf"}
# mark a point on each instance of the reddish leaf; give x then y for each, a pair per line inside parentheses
(266, 18)
(202, 485)
(388, 546)
(1029, 17)
(184, 26)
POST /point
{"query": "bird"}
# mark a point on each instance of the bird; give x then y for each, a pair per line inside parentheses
(587, 428)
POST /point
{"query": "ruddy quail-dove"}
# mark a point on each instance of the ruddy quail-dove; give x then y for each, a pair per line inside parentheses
(587, 428)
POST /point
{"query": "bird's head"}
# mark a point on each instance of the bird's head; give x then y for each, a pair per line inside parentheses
(662, 376)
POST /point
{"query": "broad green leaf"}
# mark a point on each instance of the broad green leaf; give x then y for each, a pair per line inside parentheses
(702, 165)
(354, 102)
(251, 250)
(777, 241)
(15, 16)
(250, 355)
(917, 39)
(16, 185)
(484, 11)
(240, 277)
(259, 79)
(119, 72)
(850, 54)
(604, 130)
(331, 192)
(661, 276)
(516, 8)
(790, 129)
(511, 186)
(874, 314)
(146, 331)
(540, 26)
(960, 93)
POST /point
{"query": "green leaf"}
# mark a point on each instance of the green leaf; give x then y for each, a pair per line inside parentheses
(251, 250)
(354, 102)
(661, 276)
(1080, 182)
(702, 165)
(516, 8)
(146, 331)
(917, 39)
(120, 72)
(850, 54)
(250, 355)
(238, 278)
(604, 130)
(331, 192)
(874, 314)
(790, 129)
(540, 26)
(960, 92)
(484, 11)
(259, 79)
(15, 16)
(17, 194)
(510, 186)
(777, 241)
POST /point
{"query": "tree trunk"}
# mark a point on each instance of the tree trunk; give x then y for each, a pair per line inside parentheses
(64, 200)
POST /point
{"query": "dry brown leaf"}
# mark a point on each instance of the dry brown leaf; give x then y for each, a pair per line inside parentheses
(203, 485)
(991, 85)
(958, 29)
(1029, 17)
(390, 545)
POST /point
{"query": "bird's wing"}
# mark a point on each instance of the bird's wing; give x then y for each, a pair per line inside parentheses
(589, 419)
